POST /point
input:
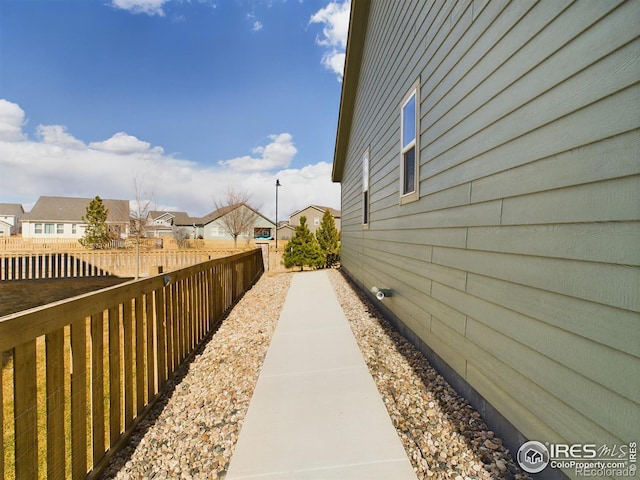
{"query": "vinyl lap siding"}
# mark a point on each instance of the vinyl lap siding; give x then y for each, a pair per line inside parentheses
(519, 265)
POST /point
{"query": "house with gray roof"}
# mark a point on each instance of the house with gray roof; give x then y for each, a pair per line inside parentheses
(212, 226)
(10, 215)
(163, 223)
(314, 215)
(215, 225)
(61, 217)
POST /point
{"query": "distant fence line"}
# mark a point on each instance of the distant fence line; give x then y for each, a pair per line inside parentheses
(19, 244)
(81, 374)
(96, 263)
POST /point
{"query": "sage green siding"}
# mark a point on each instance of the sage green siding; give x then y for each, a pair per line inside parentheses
(519, 265)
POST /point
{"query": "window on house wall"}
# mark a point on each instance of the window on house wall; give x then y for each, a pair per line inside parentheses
(59, 228)
(74, 228)
(37, 228)
(409, 148)
(48, 228)
(316, 221)
(365, 188)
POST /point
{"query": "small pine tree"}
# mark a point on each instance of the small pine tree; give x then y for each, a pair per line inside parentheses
(303, 249)
(96, 234)
(329, 239)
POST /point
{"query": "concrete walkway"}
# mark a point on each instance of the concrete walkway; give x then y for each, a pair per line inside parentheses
(316, 412)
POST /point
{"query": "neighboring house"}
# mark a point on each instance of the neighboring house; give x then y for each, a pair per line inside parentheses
(214, 227)
(314, 215)
(285, 231)
(163, 223)
(10, 215)
(61, 217)
(489, 159)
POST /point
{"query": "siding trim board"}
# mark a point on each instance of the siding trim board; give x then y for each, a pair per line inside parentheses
(517, 268)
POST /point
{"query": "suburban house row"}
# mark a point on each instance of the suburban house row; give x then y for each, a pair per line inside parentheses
(61, 218)
(489, 158)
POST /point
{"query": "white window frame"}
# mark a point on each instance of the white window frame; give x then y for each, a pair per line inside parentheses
(366, 200)
(410, 195)
(38, 229)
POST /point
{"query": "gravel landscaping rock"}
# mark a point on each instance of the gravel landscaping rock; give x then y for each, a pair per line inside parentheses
(192, 430)
(443, 435)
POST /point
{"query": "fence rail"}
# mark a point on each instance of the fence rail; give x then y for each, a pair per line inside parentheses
(79, 375)
(93, 263)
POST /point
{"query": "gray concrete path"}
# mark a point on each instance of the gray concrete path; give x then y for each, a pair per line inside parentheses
(316, 412)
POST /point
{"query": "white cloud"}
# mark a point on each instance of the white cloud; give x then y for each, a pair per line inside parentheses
(150, 7)
(277, 154)
(124, 144)
(57, 135)
(335, 18)
(256, 25)
(334, 61)
(57, 163)
(11, 121)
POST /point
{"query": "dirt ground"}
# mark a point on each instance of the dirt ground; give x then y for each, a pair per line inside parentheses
(18, 295)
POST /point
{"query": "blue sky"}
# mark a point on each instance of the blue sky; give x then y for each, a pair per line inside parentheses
(186, 97)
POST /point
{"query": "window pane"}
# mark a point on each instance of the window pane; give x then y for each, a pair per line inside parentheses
(365, 201)
(48, 228)
(409, 121)
(365, 172)
(409, 180)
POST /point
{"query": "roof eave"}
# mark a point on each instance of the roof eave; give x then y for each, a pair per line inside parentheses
(355, 46)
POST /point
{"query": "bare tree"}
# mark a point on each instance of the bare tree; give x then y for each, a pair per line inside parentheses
(236, 215)
(181, 236)
(139, 216)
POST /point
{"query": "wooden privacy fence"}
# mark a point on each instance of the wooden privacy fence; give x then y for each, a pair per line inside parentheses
(15, 244)
(80, 374)
(95, 263)
(20, 244)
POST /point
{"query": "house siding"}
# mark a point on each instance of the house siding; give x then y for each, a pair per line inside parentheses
(29, 230)
(519, 264)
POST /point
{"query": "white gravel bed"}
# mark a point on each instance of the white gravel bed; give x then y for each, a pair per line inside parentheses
(191, 432)
(443, 435)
